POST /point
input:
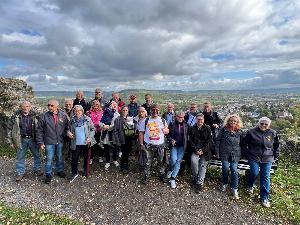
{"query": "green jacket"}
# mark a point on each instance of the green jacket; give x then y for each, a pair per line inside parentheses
(13, 127)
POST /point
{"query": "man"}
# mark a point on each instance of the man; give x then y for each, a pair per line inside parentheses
(169, 116)
(79, 100)
(66, 148)
(98, 97)
(190, 116)
(148, 103)
(213, 120)
(52, 128)
(152, 137)
(22, 136)
(116, 97)
(200, 141)
(133, 106)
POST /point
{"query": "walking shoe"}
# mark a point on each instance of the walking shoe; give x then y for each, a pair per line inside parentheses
(169, 174)
(48, 179)
(163, 178)
(265, 203)
(19, 177)
(120, 154)
(61, 174)
(145, 180)
(224, 187)
(101, 160)
(116, 163)
(91, 161)
(38, 173)
(198, 188)
(235, 194)
(73, 177)
(107, 165)
(173, 183)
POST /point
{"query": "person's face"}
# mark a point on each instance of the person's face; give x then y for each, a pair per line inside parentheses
(207, 108)
(193, 108)
(78, 112)
(170, 108)
(154, 112)
(233, 121)
(98, 94)
(148, 99)
(96, 105)
(200, 121)
(26, 108)
(142, 114)
(52, 106)
(115, 96)
(132, 100)
(125, 111)
(263, 125)
(114, 106)
(79, 95)
(180, 118)
(68, 105)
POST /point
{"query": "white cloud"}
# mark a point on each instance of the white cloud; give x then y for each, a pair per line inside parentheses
(23, 38)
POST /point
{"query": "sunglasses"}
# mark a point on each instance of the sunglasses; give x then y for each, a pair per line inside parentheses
(49, 105)
(264, 124)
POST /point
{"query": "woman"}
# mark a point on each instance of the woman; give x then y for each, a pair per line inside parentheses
(262, 148)
(124, 132)
(95, 113)
(200, 142)
(81, 133)
(178, 144)
(140, 124)
(228, 149)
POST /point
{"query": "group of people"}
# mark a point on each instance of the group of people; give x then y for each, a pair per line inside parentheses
(111, 129)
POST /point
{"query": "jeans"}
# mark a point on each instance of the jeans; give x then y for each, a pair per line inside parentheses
(176, 156)
(75, 158)
(198, 164)
(234, 177)
(50, 151)
(27, 143)
(264, 169)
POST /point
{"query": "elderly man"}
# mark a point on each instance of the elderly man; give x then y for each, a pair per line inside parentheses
(148, 103)
(79, 100)
(190, 116)
(22, 135)
(52, 128)
(66, 148)
(98, 97)
(151, 138)
(169, 116)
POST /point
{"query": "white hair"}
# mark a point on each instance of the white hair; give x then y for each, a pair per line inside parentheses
(265, 119)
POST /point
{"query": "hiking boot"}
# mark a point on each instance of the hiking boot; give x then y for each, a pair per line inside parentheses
(61, 174)
(173, 183)
(48, 179)
(19, 178)
(101, 160)
(224, 187)
(235, 194)
(265, 203)
(116, 163)
(73, 177)
(38, 173)
(198, 188)
(107, 165)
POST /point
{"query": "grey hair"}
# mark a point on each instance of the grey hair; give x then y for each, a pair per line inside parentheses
(68, 100)
(25, 103)
(143, 109)
(78, 106)
(265, 119)
(200, 114)
(179, 113)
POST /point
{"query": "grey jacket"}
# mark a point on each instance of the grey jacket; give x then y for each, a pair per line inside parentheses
(13, 128)
(48, 133)
(261, 146)
(89, 130)
(229, 145)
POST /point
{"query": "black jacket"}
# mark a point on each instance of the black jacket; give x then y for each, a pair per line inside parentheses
(261, 146)
(82, 102)
(201, 138)
(210, 119)
(171, 134)
(229, 145)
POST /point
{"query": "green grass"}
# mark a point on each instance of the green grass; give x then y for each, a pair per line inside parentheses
(24, 216)
(7, 151)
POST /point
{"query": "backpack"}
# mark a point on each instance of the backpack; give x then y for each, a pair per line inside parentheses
(128, 130)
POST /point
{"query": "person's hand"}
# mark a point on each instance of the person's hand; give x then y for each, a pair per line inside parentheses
(165, 130)
(42, 147)
(173, 142)
(12, 145)
(88, 140)
(70, 135)
(215, 125)
(199, 152)
(105, 127)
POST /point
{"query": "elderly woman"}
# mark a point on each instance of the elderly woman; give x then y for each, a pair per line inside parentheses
(95, 113)
(262, 148)
(228, 148)
(82, 133)
(140, 123)
(200, 141)
(178, 143)
(124, 132)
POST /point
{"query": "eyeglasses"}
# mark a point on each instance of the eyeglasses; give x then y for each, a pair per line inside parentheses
(49, 105)
(97, 92)
(264, 124)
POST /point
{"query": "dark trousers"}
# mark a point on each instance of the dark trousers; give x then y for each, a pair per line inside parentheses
(126, 149)
(75, 158)
(108, 149)
(96, 149)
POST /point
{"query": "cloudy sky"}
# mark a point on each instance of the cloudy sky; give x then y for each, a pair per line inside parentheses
(167, 44)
